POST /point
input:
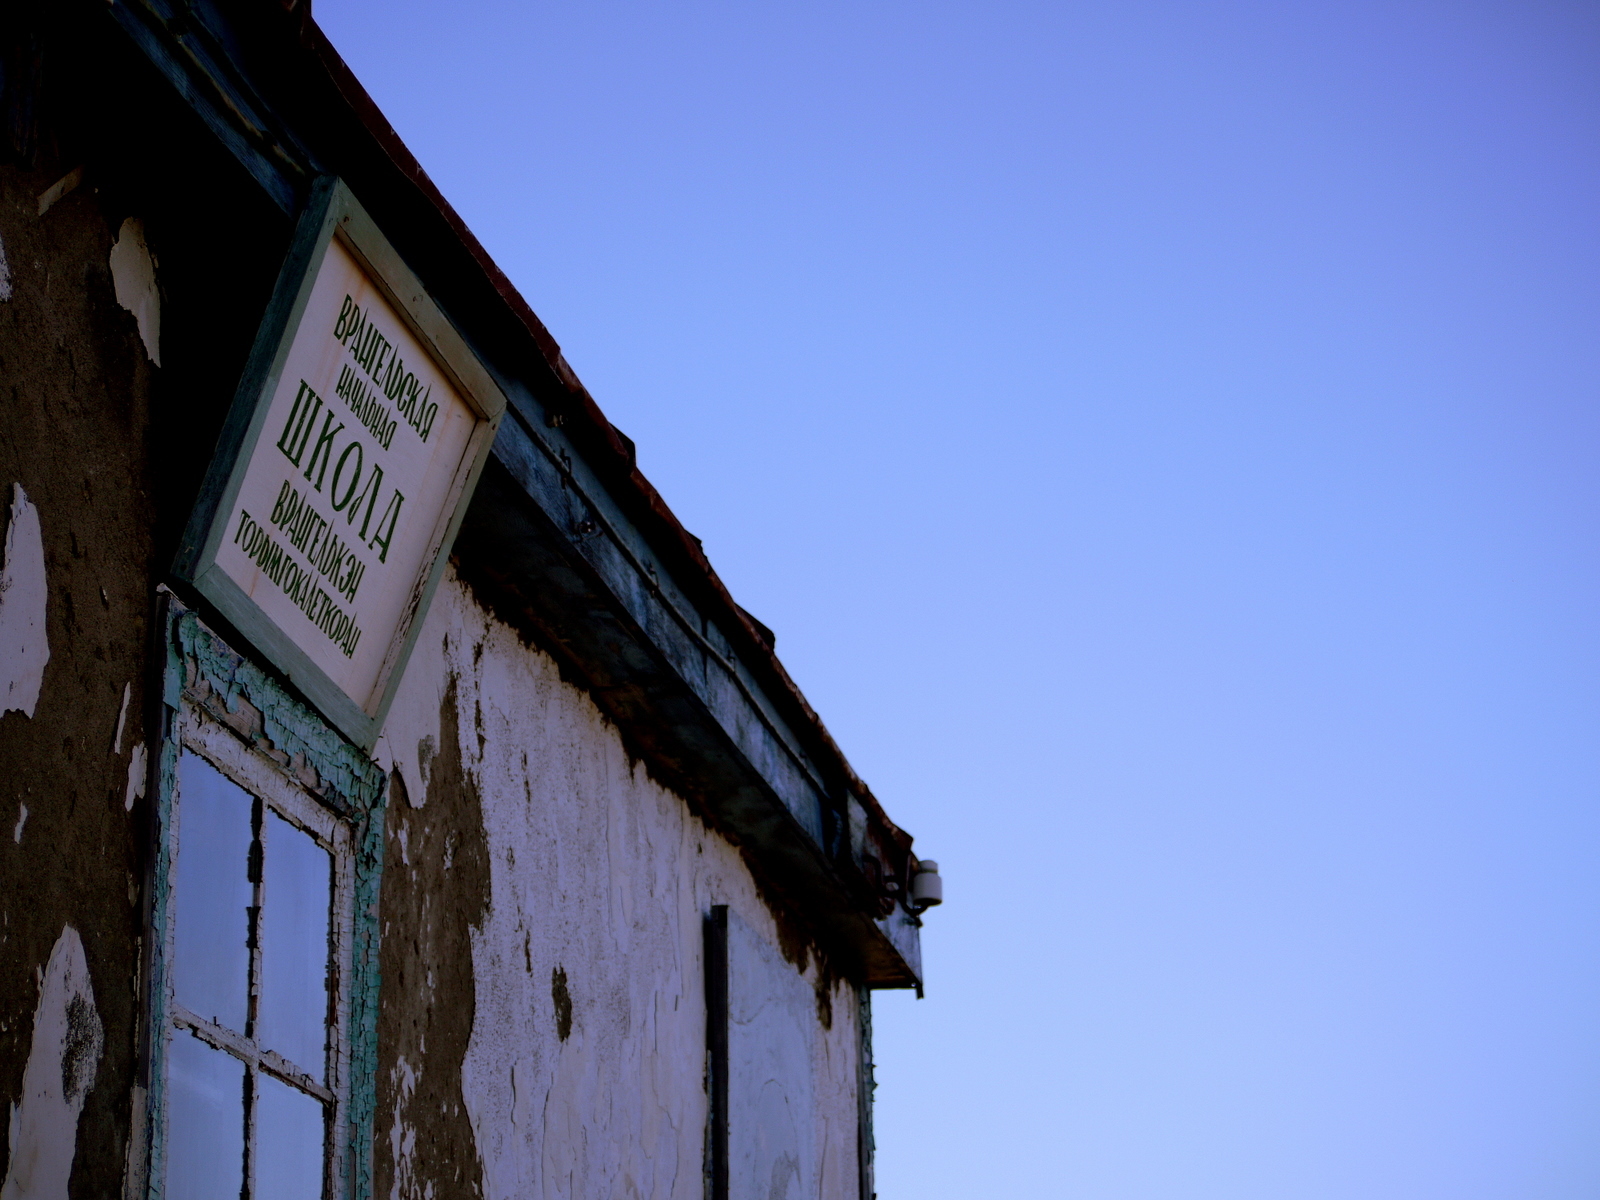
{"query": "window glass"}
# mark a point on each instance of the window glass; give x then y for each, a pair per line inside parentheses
(205, 1121)
(254, 932)
(289, 1142)
(213, 893)
(297, 898)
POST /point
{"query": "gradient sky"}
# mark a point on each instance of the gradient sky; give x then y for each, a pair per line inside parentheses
(1163, 437)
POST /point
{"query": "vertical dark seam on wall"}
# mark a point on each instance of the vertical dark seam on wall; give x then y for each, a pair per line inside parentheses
(716, 963)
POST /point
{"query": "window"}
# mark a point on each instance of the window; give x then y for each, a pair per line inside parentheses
(253, 1064)
(262, 987)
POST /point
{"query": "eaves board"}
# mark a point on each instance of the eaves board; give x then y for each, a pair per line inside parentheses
(199, 50)
(601, 535)
(186, 53)
(302, 113)
(522, 535)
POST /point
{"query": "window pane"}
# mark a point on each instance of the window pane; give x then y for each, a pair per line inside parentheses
(213, 895)
(205, 1121)
(296, 900)
(289, 1140)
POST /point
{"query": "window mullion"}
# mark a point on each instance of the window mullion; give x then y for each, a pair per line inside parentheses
(274, 1063)
(258, 851)
(217, 1036)
(258, 877)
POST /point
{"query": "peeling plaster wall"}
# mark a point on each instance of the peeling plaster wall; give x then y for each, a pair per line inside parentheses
(75, 404)
(791, 1127)
(578, 886)
(542, 1024)
(108, 451)
(133, 272)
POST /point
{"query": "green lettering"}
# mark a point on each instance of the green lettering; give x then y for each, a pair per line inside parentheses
(355, 330)
(277, 509)
(301, 416)
(344, 315)
(352, 579)
(383, 352)
(386, 523)
(323, 449)
(370, 494)
(355, 477)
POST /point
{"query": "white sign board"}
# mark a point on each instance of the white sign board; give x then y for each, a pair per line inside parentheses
(356, 437)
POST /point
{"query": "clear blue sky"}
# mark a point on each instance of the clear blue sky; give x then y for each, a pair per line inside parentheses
(1164, 439)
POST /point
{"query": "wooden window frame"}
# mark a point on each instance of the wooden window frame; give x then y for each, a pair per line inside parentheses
(229, 711)
(278, 792)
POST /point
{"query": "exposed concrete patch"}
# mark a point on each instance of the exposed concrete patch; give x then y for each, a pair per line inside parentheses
(67, 1041)
(109, 511)
(435, 890)
(133, 273)
(138, 772)
(24, 600)
(5, 274)
(563, 1002)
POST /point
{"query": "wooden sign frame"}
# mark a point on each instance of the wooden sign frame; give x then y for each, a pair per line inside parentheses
(334, 216)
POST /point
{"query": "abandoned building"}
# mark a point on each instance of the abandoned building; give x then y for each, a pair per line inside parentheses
(396, 804)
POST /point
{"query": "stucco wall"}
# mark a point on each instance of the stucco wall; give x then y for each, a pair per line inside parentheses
(107, 449)
(791, 1096)
(542, 1025)
(578, 887)
(72, 372)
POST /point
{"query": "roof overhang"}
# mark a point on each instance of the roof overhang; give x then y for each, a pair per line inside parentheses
(565, 537)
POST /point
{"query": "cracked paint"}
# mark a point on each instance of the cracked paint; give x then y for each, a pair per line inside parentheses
(247, 700)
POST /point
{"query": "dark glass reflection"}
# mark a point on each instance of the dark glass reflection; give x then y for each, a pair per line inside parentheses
(205, 1121)
(211, 968)
(289, 1137)
(296, 899)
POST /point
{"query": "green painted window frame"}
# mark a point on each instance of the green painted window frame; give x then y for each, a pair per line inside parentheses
(204, 679)
(333, 212)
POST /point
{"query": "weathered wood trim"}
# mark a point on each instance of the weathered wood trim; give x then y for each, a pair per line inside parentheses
(201, 672)
(219, 100)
